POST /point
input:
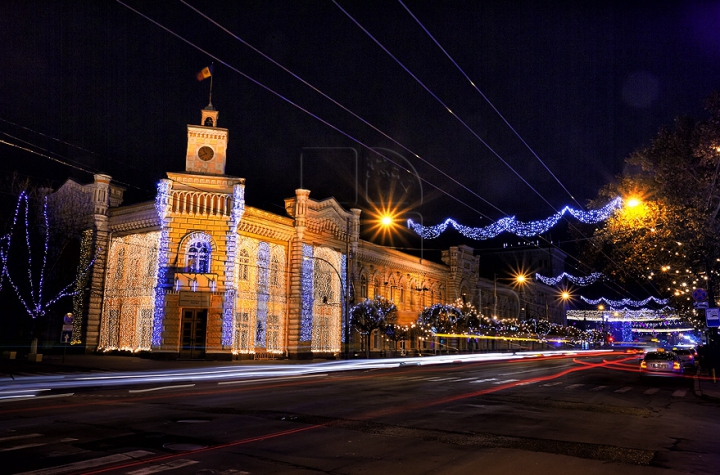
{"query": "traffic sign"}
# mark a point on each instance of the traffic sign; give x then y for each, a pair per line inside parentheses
(712, 317)
(66, 334)
(699, 295)
(701, 305)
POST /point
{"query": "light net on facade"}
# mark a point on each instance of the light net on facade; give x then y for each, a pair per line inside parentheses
(128, 303)
(327, 300)
(261, 304)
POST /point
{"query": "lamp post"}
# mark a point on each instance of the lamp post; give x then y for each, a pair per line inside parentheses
(422, 240)
(345, 309)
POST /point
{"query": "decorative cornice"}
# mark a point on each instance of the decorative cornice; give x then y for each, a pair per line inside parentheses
(133, 217)
(218, 183)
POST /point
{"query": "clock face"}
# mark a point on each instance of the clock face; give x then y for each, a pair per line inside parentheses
(205, 153)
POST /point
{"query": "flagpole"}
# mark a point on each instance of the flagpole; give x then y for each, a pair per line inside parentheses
(211, 80)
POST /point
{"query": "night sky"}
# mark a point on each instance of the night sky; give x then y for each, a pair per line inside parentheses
(101, 88)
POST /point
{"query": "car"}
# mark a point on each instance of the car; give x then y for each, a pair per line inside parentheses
(687, 357)
(661, 362)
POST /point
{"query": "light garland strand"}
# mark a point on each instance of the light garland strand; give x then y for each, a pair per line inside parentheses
(510, 224)
(625, 302)
(581, 281)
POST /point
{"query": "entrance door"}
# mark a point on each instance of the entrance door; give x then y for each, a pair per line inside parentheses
(192, 340)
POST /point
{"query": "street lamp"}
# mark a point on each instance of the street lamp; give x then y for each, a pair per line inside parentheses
(387, 220)
(344, 296)
(520, 281)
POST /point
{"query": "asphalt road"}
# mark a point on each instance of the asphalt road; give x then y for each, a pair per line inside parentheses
(565, 415)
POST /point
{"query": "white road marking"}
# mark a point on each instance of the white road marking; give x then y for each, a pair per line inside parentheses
(651, 391)
(163, 467)
(574, 386)
(85, 464)
(18, 437)
(506, 381)
(20, 447)
(680, 393)
(623, 390)
(159, 388)
(598, 388)
(547, 385)
(263, 380)
(484, 380)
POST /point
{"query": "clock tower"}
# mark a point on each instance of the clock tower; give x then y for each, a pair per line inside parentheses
(207, 145)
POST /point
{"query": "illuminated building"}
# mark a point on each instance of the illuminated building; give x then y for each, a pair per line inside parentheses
(198, 274)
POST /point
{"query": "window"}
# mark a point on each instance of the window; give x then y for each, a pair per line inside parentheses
(243, 261)
(197, 255)
(275, 272)
(363, 287)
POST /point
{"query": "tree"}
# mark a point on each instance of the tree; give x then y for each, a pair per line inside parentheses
(370, 315)
(30, 252)
(669, 243)
(440, 319)
(396, 333)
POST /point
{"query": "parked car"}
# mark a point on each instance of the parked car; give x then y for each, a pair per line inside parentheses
(661, 362)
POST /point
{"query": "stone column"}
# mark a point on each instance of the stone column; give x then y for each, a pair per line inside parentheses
(296, 348)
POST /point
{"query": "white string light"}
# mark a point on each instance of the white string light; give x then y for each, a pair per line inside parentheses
(625, 302)
(581, 281)
(512, 225)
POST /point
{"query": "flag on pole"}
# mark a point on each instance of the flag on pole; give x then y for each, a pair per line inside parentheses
(205, 73)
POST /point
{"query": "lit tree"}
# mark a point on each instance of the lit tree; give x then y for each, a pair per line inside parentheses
(440, 318)
(370, 315)
(26, 256)
(396, 333)
(670, 241)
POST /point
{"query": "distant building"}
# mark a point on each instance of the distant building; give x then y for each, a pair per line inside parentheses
(536, 300)
(199, 274)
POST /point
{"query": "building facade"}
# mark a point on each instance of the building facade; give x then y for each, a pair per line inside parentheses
(199, 274)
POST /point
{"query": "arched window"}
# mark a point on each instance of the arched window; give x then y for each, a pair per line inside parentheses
(198, 254)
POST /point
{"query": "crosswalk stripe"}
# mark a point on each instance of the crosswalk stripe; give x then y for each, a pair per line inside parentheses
(85, 464)
(18, 437)
(680, 393)
(652, 391)
(598, 388)
(623, 390)
(574, 386)
(547, 385)
(24, 446)
(163, 467)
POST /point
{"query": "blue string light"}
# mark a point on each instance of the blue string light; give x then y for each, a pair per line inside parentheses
(512, 225)
(307, 293)
(162, 206)
(581, 281)
(238, 209)
(263, 293)
(625, 302)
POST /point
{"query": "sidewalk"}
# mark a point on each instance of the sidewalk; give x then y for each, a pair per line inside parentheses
(707, 385)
